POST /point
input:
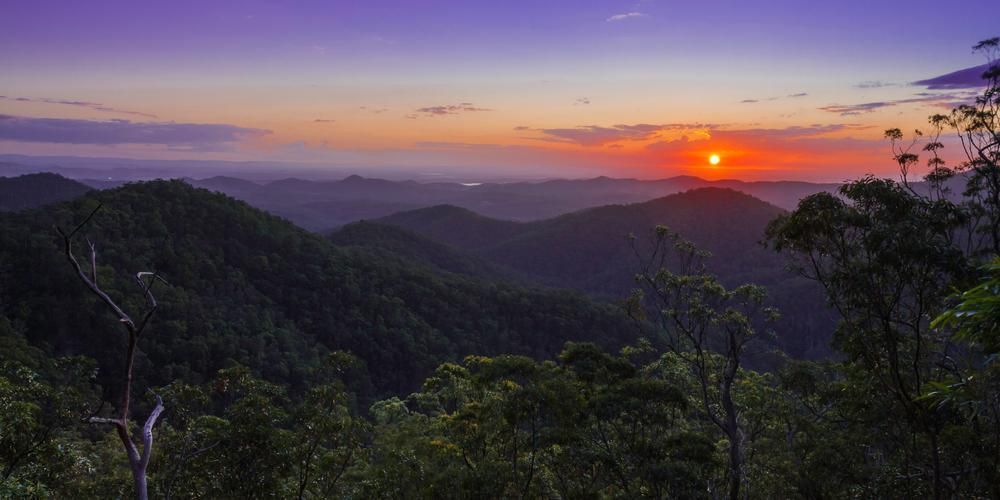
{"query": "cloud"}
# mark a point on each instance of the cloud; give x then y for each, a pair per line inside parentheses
(449, 109)
(856, 109)
(756, 136)
(582, 100)
(372, 110)
(323, 120)
(961, 79)
(947, 100)
(96, 106)
(874, 84)
(622, 17)
(592, 135)
(74, 131)
(789, 96)
(522, 128)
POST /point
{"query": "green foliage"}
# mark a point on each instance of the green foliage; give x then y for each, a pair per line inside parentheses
(976, 315)
(921, 396)
(251, 289)
(590, 426)
(588, 251)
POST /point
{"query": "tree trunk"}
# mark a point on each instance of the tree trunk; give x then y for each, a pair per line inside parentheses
(735, 437)
(735, 458)
(139, 477)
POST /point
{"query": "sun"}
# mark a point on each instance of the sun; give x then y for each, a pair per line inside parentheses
(714, 159)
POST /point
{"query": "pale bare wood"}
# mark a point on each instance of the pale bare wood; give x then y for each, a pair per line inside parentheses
(138, 462)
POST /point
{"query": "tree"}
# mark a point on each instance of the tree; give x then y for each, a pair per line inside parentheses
(707, 326)
(975, 319)
(138, 461)
(978, 128)
(888, 255)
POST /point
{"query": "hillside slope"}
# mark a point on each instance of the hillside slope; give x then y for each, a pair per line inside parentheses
(589, 250)
(413, 248)
(250, 288)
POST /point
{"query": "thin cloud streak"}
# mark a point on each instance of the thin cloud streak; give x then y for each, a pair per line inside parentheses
(74, 131)
(96, 106)
(449, 109)
(622, 17)
(948, 100)
(593, 135)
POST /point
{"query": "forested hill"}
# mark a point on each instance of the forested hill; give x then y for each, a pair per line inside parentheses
(35, 190)
(417, 249)
(588, 250)
(247, 287)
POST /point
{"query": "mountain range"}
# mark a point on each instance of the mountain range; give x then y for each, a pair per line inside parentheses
(589, 250)
(324, 205)
(585, 250)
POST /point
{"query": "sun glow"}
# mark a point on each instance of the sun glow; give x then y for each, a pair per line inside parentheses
(714, 159)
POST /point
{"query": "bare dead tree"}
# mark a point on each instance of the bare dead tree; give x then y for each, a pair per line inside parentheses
(138, 461)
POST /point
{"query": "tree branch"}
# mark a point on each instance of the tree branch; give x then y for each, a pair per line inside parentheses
(147, 432)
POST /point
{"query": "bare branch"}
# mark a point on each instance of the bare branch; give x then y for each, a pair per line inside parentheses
(103, 420)
(93, 260)
(92, 284)
(147, 432)
(147, 291)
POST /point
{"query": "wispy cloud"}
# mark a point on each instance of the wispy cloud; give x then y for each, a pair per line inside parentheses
(592, 135)
(946, 100)
(789, 96)
(449, 109)
(73, 131)
(373, 110)
(622, 17)
(96, 106)
(856, 109)
(755, 135)
(874, 84)
(582, 100)
(323, 120)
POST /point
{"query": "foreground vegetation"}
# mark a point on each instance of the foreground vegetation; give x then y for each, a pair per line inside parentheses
(248, 353)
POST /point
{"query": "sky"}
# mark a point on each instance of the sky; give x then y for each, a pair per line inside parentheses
(796, 90)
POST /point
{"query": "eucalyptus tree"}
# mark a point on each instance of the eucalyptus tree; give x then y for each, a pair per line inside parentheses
(707, 326)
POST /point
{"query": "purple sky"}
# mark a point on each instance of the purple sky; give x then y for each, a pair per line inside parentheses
(568, 88)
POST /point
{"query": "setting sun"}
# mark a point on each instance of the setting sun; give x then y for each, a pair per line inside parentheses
(714, 159)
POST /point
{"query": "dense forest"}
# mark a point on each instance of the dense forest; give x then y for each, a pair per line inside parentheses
(165, 340)
(588, 251)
